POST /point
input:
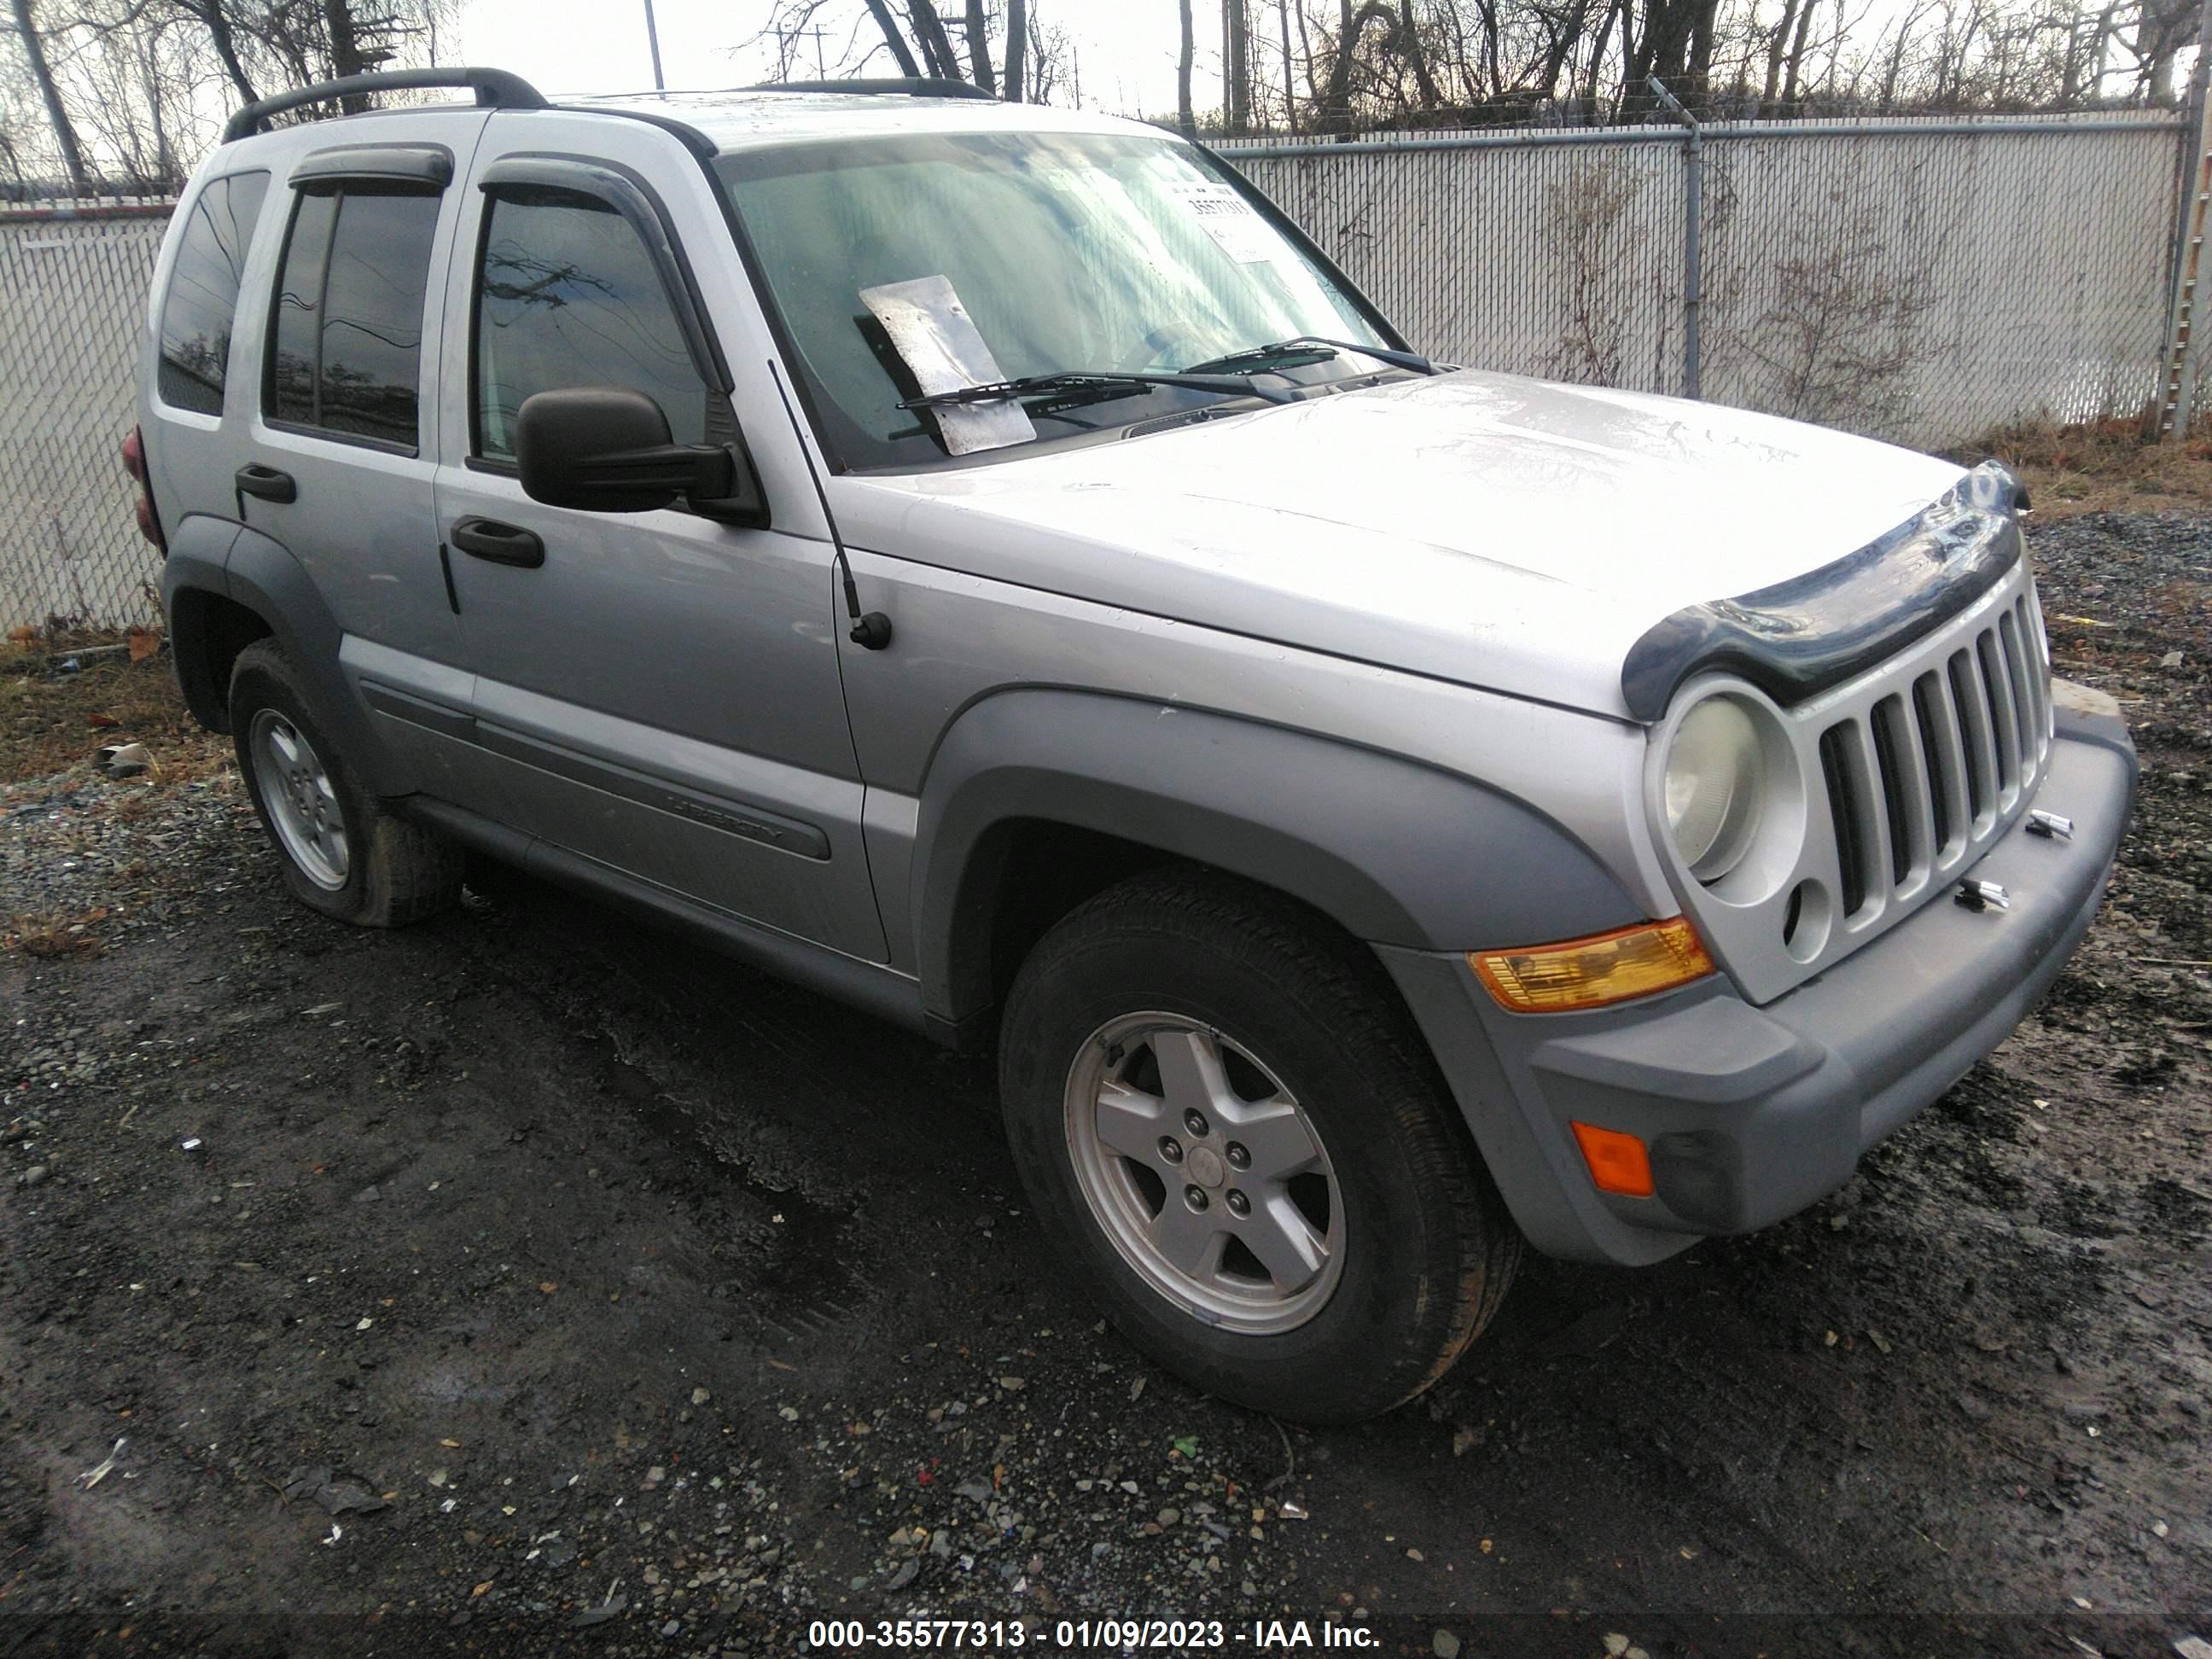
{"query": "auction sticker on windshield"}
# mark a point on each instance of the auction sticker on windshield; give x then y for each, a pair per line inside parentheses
(1228, 218)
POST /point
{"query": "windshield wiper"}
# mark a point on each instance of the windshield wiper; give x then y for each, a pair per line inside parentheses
(1108, 381)
(1304, 349)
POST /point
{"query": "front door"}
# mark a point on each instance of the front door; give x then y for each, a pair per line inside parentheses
(656, 691)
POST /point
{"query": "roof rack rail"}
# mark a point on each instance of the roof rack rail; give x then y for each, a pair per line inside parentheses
(495, 89)
(910, 86)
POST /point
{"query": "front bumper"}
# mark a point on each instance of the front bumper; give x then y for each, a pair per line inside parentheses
(1753, 1113)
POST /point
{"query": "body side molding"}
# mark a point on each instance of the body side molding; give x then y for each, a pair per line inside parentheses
(883, 991)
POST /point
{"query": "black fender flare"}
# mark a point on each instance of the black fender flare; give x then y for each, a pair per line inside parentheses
(192, 573)
(261, 575)
(1395, 851)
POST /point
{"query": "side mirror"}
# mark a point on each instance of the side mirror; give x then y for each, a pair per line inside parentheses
(607, 449)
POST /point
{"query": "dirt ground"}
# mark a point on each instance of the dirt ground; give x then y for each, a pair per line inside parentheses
(525, 1282)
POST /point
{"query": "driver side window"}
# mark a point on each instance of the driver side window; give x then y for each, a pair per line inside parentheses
(567, 295)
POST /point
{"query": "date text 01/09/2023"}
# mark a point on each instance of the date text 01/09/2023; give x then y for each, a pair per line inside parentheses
(1083, 1635)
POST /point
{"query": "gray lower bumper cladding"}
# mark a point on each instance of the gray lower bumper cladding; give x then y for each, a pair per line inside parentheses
(1751, 1114)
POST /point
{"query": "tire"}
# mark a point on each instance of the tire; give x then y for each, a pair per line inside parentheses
(343, 853)
(1114, 1013)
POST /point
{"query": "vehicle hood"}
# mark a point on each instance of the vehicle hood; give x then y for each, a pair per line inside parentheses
(1481, 528)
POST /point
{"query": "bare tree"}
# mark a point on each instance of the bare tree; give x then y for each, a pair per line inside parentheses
(1846, 328)
(1587, 212)
(979, 48)
(211, 16)
(1017, 29)
(936, 44)
(57, 115)
(1051, 56)
(901, 53)
(345, 51)
(126, 90)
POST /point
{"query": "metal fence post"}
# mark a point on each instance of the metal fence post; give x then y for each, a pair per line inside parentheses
(1693, 275)
(2178, 357)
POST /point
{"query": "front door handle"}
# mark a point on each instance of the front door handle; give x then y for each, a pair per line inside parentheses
(502, 544)
(264, 483)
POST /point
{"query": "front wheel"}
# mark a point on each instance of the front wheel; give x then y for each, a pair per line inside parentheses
(1230, 1128)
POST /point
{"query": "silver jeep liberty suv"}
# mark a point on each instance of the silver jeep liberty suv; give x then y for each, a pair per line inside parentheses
(984, 563)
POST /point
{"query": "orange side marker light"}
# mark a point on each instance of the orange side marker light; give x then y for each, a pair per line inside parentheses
(1616, 1160)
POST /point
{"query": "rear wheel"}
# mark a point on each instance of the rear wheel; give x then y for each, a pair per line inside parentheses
(343, 853)
(1228, 1126)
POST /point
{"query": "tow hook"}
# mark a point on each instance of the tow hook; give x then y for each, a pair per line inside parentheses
(2049, 824)
(1981, 895)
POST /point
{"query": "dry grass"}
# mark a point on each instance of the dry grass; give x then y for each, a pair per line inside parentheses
(56, 935)
(2102, 466)
(51, 721)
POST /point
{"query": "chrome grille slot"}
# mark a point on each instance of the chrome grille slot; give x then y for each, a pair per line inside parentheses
(2039, 668)
(1903, 790)
(1946, 784)
(1844, 768)
(1997, 695)
(2030, 672)
(1976, 746)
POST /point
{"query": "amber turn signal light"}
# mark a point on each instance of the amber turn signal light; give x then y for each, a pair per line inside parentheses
(1616, 1160)
(1589, 973)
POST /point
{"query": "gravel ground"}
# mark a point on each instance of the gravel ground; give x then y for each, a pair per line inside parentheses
(527, 1283)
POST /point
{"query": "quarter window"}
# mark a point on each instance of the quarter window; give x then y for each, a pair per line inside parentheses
(567, 295)
(198, 311)
(346, 345)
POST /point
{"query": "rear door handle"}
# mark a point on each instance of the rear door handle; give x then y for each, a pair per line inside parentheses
(502, 544)
(265, 484)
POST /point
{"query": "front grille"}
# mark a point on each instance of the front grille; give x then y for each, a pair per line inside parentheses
(1919, 780)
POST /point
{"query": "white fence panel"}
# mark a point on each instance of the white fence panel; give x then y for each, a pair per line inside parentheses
(1928, 290)
(1912, 281)
(1559, 260)
(72, 317)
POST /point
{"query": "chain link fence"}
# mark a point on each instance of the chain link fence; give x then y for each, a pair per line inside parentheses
(1920, 281)
(1923, 282)
(73, 284)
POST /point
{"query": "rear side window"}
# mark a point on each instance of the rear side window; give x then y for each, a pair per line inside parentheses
(201, 302)
(567, 295)
(346, 339)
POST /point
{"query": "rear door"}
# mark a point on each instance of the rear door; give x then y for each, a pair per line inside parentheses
(657, 691)
(340, 438)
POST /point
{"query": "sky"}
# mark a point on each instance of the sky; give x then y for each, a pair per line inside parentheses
(1126, 48)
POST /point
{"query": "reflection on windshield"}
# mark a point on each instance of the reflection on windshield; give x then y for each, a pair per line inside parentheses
(1069, 251)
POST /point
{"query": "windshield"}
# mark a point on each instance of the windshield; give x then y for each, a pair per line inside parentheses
(1068, 252)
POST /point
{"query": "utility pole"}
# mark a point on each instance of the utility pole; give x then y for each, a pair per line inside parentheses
(653, 39)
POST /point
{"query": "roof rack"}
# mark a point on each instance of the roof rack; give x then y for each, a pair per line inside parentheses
(495, 89)
(910, 86)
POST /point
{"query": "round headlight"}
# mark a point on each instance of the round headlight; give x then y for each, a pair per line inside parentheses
(1714, 785)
